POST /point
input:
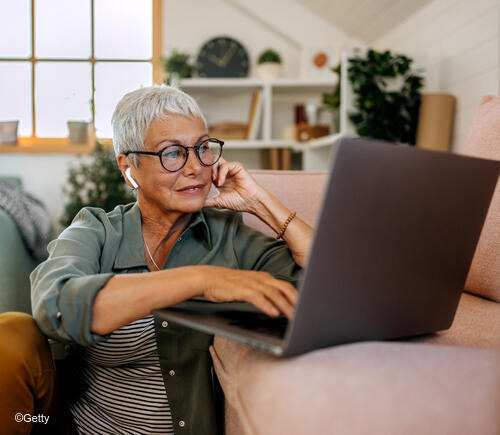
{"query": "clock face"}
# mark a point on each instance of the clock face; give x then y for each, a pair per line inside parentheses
(222, 57)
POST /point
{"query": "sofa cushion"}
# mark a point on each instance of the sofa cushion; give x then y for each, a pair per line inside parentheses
(299, 190)
(483, 140)
(371, 387)
(476, 324)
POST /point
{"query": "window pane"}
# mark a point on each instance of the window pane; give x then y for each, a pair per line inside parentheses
(123, 29)
(63, 92)
(15, 28)
(15, 95)
(112, 81)
(62, 28)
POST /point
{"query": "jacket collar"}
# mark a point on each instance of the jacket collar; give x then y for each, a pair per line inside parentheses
(131, 251)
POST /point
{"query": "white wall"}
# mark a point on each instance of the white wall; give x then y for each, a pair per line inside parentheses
(458, 44)
(283, 25)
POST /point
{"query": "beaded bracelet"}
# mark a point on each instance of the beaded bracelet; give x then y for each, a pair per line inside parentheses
(283, 229)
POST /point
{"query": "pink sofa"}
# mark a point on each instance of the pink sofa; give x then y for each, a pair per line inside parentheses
(445, 383)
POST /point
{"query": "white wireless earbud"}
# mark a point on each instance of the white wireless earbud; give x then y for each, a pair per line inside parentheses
(127, 173)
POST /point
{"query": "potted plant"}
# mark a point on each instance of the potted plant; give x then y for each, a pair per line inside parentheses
(96, 182)
(8, 132)
(177, 66)
(386, 96)
(269, 64)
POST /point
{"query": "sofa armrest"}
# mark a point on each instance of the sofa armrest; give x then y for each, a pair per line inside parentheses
(16, 265)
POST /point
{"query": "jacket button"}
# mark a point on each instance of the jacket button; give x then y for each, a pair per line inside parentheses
(181, 423)
(171, 372)
(164, 323)
(59, 315)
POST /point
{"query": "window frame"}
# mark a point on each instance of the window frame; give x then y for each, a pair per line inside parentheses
(47, 144)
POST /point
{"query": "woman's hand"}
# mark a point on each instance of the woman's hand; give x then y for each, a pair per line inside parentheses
(238, 190)
(261, 289)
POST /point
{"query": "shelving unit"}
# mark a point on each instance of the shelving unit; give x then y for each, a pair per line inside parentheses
(315, 153)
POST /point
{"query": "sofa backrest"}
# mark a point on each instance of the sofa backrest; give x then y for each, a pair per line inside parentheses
(300, 191)
(483, 140)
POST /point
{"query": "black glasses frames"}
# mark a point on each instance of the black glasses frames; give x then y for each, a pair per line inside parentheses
(173, 159)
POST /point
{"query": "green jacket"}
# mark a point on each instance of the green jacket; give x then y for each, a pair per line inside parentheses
(98, 245)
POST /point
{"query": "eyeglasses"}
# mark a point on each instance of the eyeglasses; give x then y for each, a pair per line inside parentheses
(174, 157)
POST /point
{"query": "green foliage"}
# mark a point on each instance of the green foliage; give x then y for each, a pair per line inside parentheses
(178, 62)
(269, 55)
(381, 113)
(96, 183)
(332, 100)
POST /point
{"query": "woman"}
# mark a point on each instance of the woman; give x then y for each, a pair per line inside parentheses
(144, 375)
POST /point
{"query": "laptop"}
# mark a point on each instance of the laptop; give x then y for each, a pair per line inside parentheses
(391, 252)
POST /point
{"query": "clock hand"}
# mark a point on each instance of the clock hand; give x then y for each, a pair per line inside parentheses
(215, 60)
(228, 56)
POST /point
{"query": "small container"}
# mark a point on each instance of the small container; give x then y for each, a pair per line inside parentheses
(8, 132)
(300, 115)
(78, 132)
(268, 70)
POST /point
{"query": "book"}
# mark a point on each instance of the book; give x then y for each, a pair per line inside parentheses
(254, 115)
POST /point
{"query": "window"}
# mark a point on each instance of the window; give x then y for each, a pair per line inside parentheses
(66, 60)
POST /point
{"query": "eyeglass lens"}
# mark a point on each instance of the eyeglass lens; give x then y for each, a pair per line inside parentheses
(174, 156)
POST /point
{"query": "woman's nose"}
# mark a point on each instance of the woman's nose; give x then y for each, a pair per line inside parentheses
(193, 164)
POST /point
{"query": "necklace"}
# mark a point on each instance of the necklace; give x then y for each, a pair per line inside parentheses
(149, 253)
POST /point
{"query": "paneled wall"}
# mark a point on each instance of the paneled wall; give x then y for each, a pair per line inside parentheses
(457, 42)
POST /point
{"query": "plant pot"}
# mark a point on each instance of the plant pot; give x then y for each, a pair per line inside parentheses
(78, 132)
(268, 70)
(173, 79)
(8, 132)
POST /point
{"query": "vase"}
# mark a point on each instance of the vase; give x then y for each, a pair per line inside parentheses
(78, 132)
(268, 70)
(8, 132)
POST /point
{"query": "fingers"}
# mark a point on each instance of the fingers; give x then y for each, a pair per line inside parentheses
(261, 289)
(281, 295)
(284, 296)
(224, 169)
(221, 175)
(262, 303)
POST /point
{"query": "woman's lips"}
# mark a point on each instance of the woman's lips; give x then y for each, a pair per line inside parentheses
(194, 189)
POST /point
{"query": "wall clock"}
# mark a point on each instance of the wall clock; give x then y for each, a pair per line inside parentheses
(222, 57)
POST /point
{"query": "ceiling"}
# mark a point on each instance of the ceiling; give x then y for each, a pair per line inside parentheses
(366, 20)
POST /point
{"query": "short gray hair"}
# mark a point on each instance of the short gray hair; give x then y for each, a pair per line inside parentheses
(137, 109)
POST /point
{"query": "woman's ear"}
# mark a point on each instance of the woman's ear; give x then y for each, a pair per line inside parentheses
(129, 176)
(125, 169)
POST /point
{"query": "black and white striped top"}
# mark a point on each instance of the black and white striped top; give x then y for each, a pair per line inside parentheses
(126, 393)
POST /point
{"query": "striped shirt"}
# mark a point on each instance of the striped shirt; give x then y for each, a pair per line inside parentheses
(126, 393)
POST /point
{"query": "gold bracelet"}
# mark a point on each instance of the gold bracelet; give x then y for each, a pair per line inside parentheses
(288, 220)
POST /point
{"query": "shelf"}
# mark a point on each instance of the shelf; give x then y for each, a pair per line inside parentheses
(276, 143)
(252, 82)
(303, 85)
(219, 85)
(279, 96)
(320, 142)
(258, 144)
